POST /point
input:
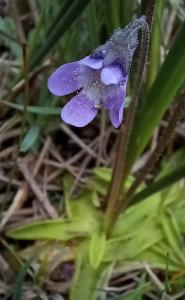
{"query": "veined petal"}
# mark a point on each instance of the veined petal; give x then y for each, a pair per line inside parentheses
(65, 79)
(94, 63)
(114, 102)
(79, 111)
(111, 74)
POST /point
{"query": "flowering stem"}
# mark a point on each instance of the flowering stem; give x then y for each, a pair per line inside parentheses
(118, 176)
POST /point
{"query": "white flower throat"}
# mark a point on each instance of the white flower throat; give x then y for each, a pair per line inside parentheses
(92, 86)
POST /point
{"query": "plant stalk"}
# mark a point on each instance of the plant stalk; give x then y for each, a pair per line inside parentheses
(118, 176)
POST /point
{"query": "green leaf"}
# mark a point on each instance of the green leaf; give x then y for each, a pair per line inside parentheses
(87, 282)
(170, 229)
(50, 230)
(85, 219)
(169, 80)
(97, 249)
(17, 290)
(137, 217)
(103, 173)
(157, 257)
(133, 246)
(30, 138)
(8, 35)
(102, 177)
(41, 110)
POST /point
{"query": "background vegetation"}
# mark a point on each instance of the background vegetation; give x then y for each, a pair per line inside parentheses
(54, 178)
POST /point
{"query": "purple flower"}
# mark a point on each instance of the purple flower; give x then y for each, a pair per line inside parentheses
(99, 79)
(100, 86)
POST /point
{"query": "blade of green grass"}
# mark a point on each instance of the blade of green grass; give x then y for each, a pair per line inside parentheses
(155, 42)
(161, 184)
(42, 110)
(172, 238)
(74, 11)
(138, 292)
(113, 15)
(65, 6)
(127, 8)
(30, 138)
(17, 291)
(170, 79)
(37, 35)
(92, 24)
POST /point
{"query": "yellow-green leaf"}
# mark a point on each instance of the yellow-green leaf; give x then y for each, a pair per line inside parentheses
(97, 249)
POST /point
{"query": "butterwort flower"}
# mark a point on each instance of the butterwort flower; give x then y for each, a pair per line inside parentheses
(99, 79)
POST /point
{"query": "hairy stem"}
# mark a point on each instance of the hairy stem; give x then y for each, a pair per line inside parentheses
(118, 175)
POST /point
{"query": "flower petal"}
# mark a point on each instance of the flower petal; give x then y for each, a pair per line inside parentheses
(114, 102)
(116, 116)
(65, 79)
(79, 111)
(111, 74)
(94, 63)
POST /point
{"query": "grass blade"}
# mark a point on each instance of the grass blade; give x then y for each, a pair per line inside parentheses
(92, 24)
(17, 294)
(161, 184)
(41, 110)
(155, 42)
(170, 79)
(76, 8)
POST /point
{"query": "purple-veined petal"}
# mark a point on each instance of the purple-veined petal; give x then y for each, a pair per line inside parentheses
(79, 111)
(111, 74)
(114, 102)
(65, 79)
(94, 63)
